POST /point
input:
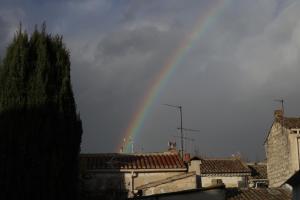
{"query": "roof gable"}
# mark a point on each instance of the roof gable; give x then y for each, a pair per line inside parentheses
(288, 123)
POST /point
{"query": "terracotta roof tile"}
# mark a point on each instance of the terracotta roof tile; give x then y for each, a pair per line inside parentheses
(212, 166)
(258, 194)
(132, 161)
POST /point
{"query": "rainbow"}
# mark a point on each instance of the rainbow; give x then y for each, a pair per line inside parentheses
(170, 65)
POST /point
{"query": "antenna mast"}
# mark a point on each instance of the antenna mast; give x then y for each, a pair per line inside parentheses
(281, 101)
(181, 128)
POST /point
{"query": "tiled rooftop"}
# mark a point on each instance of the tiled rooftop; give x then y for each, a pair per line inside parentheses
(217, 166)
(291, 122)
(258, 194)
(258, 171)
(132, 161)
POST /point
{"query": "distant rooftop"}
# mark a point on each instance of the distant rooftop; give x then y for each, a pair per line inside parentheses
(258, 171)
(220, 166)
(121, 161)
(258, 194)
(288, 122)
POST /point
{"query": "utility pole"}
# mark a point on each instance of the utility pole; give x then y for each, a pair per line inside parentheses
(181, 128)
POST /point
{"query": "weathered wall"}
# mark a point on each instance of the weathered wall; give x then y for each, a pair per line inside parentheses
(177, 185)
(101, 182)
(278, 155)
(229, 182)
(145, 178)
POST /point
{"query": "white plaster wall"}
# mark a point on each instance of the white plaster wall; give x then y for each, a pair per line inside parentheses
(145, 178)
(294, 154)
(229, 182)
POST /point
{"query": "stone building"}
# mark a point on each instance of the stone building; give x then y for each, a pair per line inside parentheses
(116, 175)
(282, 148)
(230, 171)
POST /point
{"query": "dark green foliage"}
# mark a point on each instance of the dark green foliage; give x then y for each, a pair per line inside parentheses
(40, 131)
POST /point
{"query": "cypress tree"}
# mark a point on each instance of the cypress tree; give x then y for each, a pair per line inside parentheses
(40, 131)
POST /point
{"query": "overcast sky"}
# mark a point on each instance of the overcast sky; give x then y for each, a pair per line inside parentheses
(247, 56)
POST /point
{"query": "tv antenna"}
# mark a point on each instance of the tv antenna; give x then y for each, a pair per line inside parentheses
(130, 140)
(185, 138)
(281, 101)
(181, 128)
(194, 131)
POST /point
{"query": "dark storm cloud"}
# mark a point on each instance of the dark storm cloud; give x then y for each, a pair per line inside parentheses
(3, 35)
(9, 22)
(123, 65)
(246, 57)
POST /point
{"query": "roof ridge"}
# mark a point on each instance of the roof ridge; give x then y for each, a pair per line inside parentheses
(230, 158)
(129, 154)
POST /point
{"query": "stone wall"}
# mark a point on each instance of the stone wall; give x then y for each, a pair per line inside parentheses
(278, 155)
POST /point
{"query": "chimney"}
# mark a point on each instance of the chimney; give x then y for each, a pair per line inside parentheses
(172, 147)
(187, 157)
(278, 115)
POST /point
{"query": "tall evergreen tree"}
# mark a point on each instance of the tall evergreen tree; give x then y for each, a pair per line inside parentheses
(40, 131)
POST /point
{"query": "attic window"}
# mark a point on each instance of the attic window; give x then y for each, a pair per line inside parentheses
(295, 131)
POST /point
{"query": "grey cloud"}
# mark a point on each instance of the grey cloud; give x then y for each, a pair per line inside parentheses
(246, 57)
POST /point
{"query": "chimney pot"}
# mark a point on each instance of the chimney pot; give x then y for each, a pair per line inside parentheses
(278, 115)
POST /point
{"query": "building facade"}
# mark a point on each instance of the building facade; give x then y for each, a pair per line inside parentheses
(230, 171)
(282, 148)
(121, 174)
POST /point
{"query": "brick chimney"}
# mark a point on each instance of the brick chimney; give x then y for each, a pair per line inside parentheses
(187, 157)
(278, 115)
